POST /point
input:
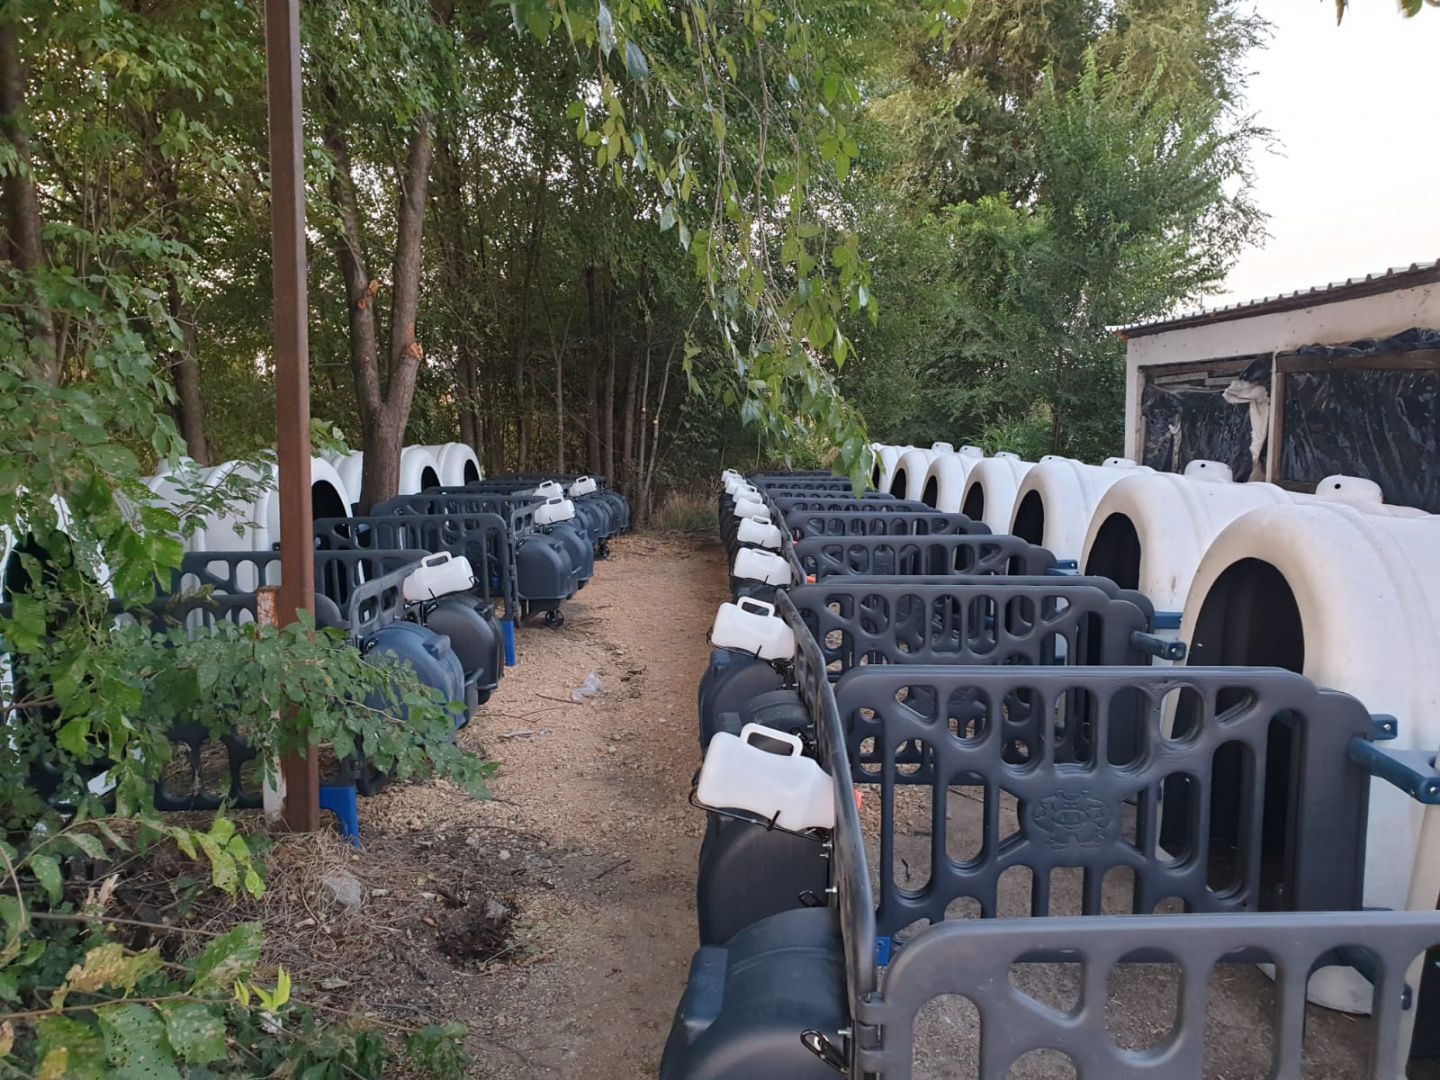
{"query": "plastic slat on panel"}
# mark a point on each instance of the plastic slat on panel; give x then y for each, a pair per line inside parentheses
(985, 619)
(483, 538)
(805, 524)
(823, 557)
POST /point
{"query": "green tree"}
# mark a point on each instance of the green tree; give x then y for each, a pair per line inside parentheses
(1093, 173)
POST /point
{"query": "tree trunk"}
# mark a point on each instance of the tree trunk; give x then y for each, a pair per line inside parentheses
(608, 409)
(184, 365)
(559, 411)
(655, 439)
(465, 364)
(627, 448)
(385, 412)
(592, 382)
(185, 370)
(359, 290)
(640, 447)
(23, 243)
(454, 244)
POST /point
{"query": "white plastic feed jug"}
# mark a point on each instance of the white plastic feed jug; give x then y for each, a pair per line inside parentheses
(763, 771)
(1216, 472)
(763, 566)
(745, 508)
(553, 511)
(583, 485)
(438, 575)
(760, 531)
(752, 627)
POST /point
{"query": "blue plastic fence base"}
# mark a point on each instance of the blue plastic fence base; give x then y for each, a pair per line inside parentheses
(344, 803)
(884, 949)
(507, 631)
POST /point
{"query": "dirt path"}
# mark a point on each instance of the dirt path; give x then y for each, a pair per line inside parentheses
(557, 921)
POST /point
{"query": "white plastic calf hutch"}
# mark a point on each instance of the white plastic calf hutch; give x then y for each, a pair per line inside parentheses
(1352, 601)
(258, 523)
(1058, 497)
(1150, 531)
(991, 489)
(944, 486)
(419, 470)
(457, 462)
(885, 459)
(907, 479)
(12, 573)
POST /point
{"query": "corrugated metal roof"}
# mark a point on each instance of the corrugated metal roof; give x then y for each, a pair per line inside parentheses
(1397, 277)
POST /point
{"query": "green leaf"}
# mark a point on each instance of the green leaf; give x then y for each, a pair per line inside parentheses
(196, 1032)
(74, 736)
(108, 966)
(27, 622)
(230, 955)
(89, 845)
(635, 61)
(79, 1044)
(605, 25)
(47, 871)
(136, 1044)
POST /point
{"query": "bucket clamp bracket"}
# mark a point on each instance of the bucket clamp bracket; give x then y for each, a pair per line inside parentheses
(1412, 771)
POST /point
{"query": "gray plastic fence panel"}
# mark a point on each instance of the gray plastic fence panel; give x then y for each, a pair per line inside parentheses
(849, 871)
(603, 491)
(792, 474)
(539, 478)
(481, 538)
(830, 503)
(1298, 830)
(992, 619)
(988, 619)
(804, 524)
(518, 513)
(837, 485)
(824, 556)
(365, 587)
(974, 959)
(206, 608)
(517, 510)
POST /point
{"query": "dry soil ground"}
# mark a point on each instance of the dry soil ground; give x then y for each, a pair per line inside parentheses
(589, 844)
(557, 921)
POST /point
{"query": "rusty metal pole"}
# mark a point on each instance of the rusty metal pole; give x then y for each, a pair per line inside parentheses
(292, 361)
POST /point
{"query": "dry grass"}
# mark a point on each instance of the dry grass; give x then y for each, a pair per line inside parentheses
(685, 510)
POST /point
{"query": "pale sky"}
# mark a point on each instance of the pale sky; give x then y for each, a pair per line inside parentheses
(1351, 187)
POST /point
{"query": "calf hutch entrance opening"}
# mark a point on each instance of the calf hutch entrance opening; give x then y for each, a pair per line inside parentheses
(1116, 552)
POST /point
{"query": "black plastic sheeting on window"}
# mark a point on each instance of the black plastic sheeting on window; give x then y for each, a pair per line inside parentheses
(1413, 340)
(1190, 418)
(1382, 423)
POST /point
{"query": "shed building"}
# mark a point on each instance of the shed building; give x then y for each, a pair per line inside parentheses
(1335, 379)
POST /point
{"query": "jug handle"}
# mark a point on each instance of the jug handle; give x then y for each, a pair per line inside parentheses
(761, 607)
(796, 746)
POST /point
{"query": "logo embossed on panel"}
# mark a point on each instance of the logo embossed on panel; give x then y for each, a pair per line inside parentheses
(1073, 817)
